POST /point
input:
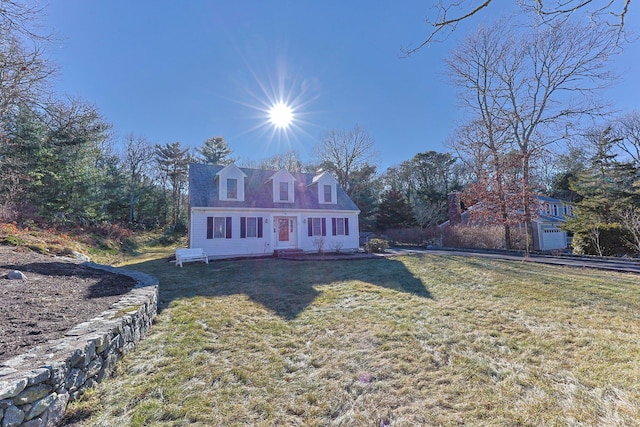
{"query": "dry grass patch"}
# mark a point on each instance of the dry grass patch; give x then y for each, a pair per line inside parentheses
(420, 340)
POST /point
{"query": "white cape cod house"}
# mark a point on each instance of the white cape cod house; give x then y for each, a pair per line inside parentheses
(237, 212)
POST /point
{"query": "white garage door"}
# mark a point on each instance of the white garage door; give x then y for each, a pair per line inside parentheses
(553, 238)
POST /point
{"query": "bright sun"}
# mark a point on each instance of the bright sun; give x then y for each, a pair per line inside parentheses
(281, 115)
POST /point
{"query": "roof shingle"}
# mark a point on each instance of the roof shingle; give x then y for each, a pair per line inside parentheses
(203, 191)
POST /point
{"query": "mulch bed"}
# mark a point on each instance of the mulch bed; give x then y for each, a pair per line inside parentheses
(57, 295)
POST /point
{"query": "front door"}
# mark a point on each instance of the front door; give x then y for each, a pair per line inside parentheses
(286, 232)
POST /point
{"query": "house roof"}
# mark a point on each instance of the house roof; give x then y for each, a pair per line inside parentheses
(550, 200)
(203, 191)
(550, 218)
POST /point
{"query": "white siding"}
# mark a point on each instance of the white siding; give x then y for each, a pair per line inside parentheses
(349, 243)
(237, 246)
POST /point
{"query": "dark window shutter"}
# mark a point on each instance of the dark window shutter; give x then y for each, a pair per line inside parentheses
(209, 227)
(324, 226)
(259, 227)
(228, 227)
(346, 226)
(310, 226)
(333, 226)
(243, 227)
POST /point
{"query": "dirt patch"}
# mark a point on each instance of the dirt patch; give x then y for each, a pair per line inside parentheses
(56, 295)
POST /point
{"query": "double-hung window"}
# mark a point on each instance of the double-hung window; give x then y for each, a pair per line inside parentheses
(218, 227)
(340, 226)
(327, 193)
(250, 226)
(232, 188)
(284, 191)
(317, 227)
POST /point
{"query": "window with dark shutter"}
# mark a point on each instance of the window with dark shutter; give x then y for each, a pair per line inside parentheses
(340, 226)
(209, 227)
(218, 227)
(228, 231)
(317, 226)
(250, 226)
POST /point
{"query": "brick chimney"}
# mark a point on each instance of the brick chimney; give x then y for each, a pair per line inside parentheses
(455, 213)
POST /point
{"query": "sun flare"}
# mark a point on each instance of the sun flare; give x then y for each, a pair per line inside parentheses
(281, 115)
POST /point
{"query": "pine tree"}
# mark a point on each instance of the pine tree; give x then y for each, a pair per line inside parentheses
(173, 161)
(394, 212)
(215, 151)
(607, 189)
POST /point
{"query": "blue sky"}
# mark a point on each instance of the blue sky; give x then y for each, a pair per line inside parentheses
(187, 71)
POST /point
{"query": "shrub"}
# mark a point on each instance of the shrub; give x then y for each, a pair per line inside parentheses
(376, 246)
(612, 239)
(318, 243)
(483, 237)
(337, 245)
(416, 236)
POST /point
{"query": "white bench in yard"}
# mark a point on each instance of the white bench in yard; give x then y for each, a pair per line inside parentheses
(192, 254)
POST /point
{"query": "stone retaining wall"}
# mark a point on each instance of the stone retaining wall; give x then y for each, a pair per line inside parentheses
(36, 386)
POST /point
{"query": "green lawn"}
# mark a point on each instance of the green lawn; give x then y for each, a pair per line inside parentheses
(415, 340)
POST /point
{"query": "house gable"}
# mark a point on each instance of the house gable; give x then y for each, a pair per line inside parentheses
(554, 208)
(283, 187)
(327, 188)
(231, 185)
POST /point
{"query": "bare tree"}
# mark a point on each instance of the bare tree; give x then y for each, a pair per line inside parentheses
(529, 87)
(449, 14)
(344, 152)
(20, 17)
(289, 160)
(136, 161)
(24, 69)
(630, 221)
(627, 133)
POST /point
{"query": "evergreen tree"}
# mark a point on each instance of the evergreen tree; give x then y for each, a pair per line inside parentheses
(173, 162)
(394, 212)
(215, 151)
(607, 188)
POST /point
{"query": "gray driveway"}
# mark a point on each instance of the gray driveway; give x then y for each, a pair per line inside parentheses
(604, 263)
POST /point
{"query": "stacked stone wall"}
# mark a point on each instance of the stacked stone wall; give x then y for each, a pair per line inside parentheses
(35, 387)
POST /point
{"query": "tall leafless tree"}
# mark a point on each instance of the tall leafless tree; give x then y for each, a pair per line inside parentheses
(344, 152)
(136, 160)
(529, 87)
(448, 15)
(627, 135)
(24, 69)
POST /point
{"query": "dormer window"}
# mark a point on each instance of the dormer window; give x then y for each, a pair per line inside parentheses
(283, 185)
(327, 194)
(230, 181)
(232, 188)
(284, 191)
(327, 188)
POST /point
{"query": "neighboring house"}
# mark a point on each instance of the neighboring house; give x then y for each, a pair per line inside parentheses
(250, 212)
(547, 234)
